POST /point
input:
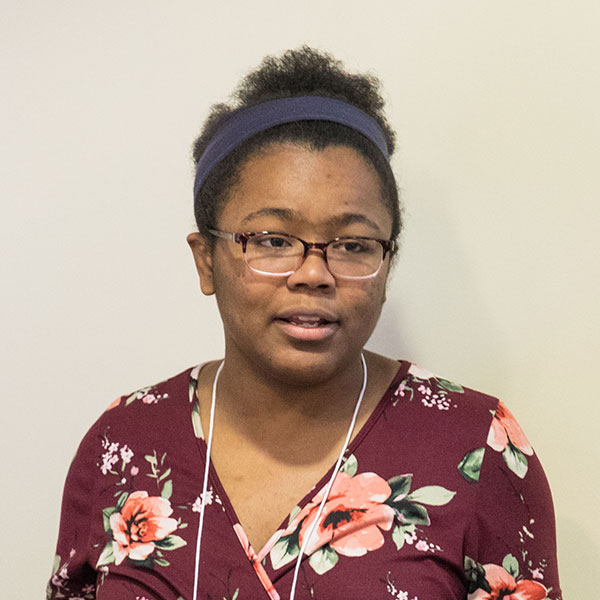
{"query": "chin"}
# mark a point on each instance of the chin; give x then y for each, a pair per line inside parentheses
(301, 366)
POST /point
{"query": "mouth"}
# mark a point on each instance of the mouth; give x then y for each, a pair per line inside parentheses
(306, 321)
(308, 326)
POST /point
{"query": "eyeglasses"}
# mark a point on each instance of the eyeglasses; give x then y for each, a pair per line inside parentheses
(279, 254)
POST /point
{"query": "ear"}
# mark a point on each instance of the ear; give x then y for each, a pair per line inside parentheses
(204, 264)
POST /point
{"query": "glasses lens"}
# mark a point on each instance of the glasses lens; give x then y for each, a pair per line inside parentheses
(354, 257)
(274, 253)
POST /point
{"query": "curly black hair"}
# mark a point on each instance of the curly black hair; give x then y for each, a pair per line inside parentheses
(300, 72)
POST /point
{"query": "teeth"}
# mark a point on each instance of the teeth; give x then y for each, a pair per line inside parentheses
(306, 321)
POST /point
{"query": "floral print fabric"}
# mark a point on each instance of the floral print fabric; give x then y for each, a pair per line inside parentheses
(352, 519)
(440, 496)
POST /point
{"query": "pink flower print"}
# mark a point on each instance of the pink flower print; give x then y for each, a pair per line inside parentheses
(60, 579)
(108, 460)
(197, 506)
(114, 403)
(504, 587)
(410, 537)
(400, 391)
(142, 521)
(422, 545)
(537, 574)
(126, 454)
(352, 516)
(149, 399)
(504, 429)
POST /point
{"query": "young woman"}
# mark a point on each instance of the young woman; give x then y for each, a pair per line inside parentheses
(301, 465)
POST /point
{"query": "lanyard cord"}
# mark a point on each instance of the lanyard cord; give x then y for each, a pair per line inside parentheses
(205, 484)
(313, 526)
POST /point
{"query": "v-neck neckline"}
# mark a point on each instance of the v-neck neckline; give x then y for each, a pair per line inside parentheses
(217, 484)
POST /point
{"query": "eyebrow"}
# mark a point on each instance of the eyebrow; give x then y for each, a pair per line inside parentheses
(288, 214)
(351, 218)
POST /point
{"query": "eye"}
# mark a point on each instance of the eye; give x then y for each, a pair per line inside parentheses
(351, 246)
(273, 241)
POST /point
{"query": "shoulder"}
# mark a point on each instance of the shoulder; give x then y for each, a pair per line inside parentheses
(139, 453)
(436, 391)
(448, 412)
(149, 411)
(173, 388)
(459, 422)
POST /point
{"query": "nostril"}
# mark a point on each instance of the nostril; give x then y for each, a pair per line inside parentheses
(312, 273)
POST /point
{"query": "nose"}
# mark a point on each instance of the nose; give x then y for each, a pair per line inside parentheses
(313, 272)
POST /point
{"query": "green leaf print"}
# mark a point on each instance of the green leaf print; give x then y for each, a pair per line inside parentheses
(323, 560)
(295, 512)
(350, 466)
(165, 474)
(167, 490)
(138, 394)
(511, 565)
(412, 513)
(451, 386)
(435, 495)
(147, 563)
(400, 486)
(107, 555)
(56, 564)
(171, 542)
(285, 550)
(193, 383)
(196, 422)
(121, 501)
(130, 399)
(475, 575)
(106, 513)
(398, 536)
(515, 460)
(470, 465)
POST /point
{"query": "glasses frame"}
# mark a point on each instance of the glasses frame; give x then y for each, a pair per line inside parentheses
(244, 237)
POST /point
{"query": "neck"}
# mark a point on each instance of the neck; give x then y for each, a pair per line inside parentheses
(258, 402)
(308, 395)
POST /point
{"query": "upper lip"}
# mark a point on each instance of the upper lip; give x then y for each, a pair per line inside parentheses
(317, 314)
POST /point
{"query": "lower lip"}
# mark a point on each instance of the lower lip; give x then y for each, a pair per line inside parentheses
(298, 332)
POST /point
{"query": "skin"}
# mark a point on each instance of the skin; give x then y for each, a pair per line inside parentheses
(285, 404)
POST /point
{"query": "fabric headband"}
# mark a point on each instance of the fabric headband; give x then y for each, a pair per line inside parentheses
(246, 122)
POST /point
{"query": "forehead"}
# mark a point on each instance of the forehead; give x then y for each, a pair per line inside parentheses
(316, 189)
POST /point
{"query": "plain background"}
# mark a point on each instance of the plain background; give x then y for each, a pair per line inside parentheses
(496, 109)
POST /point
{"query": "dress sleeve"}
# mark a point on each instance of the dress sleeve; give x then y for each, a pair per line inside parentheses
(72, 574)
(510, 547)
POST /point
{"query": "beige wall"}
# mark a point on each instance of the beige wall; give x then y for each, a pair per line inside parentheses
(496, 107)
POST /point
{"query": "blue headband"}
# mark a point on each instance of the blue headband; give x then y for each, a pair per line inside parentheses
(246, 122)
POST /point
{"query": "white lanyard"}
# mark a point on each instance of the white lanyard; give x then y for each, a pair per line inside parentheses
(315, 522)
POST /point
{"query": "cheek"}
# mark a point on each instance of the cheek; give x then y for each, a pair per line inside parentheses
(366, 300)
(241, 295)
(228, 273)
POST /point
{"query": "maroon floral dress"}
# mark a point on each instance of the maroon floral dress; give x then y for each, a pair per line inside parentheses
(440, 497)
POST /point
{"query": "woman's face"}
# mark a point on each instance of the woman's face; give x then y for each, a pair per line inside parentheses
(270, 321)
